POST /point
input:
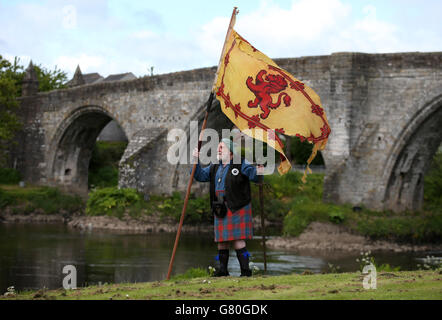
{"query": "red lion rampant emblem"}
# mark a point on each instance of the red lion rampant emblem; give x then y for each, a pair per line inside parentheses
(263, 88)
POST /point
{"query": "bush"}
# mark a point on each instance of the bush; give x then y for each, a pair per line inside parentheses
(198, 209)
(111, 200)
(336, 216)
(9, 176)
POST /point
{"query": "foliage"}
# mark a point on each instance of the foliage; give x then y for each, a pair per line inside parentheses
(103, 166)
(47, 199)
(11, 77)
(103, 177)
(303, 212)
(9, 176)
(420, 227)
(433, 185)
(336, 215)
(366, 258)
(50, 79)
(280, 191)
(111, 201)
(115, 202)
(333, 268)
(198, 209)
(300, 152)
(9, 90)
(5, 199)
(385, 267)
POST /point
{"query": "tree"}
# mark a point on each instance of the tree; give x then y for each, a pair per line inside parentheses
(49, 80)
(11, 77)
(9, 123)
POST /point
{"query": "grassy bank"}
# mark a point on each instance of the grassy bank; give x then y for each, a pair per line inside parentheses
(341, 286)
(44, 200)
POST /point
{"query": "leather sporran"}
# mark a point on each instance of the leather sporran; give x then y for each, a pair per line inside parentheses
(219, 208)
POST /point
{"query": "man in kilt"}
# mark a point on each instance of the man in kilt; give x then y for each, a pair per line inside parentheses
(230, 199)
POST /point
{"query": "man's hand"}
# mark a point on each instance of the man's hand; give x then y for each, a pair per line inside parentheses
(260, 169)
(196, 153)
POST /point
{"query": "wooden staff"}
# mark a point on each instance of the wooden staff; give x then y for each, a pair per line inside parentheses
(189, 185)
(263, 230)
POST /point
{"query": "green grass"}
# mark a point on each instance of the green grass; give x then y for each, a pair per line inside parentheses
(30, 198)
(416, 285)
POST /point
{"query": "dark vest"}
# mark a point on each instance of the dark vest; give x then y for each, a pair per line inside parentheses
(237, 188)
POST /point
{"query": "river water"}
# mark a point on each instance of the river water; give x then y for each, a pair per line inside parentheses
(32, 256)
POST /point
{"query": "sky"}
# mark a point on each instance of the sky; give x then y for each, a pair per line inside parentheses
(110, 36)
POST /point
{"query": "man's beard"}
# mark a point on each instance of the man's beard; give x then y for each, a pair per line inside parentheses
(223, 157)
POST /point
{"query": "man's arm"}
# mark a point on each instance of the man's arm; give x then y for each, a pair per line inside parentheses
(201, 174)
(250, 171)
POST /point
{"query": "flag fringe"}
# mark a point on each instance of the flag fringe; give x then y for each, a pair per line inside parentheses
(316, 147)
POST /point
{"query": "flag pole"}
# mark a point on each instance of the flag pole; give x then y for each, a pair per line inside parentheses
(189, 185)
(263, 230)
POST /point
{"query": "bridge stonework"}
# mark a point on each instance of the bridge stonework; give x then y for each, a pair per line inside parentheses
(385, 111)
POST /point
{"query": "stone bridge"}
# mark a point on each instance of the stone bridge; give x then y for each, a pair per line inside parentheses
(385, 111)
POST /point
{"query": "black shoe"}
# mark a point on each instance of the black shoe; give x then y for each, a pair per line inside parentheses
(223, 257)
(243, 258)
(221, 273)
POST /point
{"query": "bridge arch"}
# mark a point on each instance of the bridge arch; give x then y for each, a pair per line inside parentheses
(72, 147)
(411, 157)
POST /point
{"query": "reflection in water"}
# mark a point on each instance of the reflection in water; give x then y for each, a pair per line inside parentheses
(33, 256)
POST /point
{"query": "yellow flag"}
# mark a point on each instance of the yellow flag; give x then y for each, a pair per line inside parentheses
(260, 98)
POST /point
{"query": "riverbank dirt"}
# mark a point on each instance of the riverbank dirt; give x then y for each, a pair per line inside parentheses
(146, 223)
(328, 236)
(151, 223)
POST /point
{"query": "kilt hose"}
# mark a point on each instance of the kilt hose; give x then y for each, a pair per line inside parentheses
(235, 225)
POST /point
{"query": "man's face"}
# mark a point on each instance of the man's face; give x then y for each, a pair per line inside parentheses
(223, 152)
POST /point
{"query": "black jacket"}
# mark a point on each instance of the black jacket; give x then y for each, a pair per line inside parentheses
(237, 187)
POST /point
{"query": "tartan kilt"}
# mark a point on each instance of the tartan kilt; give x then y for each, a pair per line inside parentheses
(235, 225)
